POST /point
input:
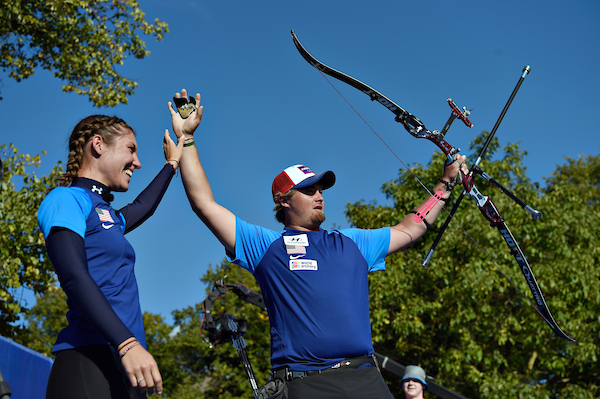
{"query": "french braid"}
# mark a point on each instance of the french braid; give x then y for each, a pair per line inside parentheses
(105, 126)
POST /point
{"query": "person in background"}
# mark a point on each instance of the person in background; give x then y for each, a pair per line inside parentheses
(314, 282)
(101, 354)
(413, 382)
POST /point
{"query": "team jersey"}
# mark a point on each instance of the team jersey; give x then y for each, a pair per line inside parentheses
(110, 259)
(315, 288)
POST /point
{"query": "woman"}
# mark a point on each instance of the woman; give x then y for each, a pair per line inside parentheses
(102, 352)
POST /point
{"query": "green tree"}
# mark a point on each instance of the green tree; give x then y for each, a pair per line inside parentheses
(45, 320)
(190, 365)
(209, 371)
(460, 318)
(227, 378)
(82, 41)
(25, 263)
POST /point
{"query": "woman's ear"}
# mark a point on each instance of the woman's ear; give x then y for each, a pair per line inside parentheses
(97, 145)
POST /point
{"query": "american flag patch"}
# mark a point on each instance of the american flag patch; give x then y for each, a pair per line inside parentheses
(104, 215)
(295, 249)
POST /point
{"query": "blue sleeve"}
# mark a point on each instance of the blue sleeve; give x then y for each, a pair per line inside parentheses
(251, 243)
(146, 203)
(66, 251)
(65, 207)
(374, 244)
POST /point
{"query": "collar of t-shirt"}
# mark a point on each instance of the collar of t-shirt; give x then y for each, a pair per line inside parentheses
(94, 186)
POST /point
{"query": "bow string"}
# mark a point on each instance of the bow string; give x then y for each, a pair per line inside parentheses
(487, 207)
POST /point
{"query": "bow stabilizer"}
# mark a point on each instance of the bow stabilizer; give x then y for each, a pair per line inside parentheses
(487, 207)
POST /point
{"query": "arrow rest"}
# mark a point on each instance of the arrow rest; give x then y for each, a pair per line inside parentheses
(417, 129)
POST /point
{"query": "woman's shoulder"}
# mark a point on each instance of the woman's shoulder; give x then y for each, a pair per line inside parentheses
(76, 192)
(64, 207)
(67, 197)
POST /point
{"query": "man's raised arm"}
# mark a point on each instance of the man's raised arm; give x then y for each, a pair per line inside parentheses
(217, 218)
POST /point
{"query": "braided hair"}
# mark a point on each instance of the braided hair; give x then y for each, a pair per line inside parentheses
(108, 127)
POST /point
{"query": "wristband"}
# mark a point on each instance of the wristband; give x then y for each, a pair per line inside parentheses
(449, 186)
(172, 160)
(132, 345)
(176, 168)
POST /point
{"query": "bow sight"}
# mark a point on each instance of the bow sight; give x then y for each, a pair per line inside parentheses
(485, 204)
(220, 329)
(227, 328)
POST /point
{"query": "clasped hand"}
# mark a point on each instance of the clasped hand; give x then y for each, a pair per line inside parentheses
(185, 127)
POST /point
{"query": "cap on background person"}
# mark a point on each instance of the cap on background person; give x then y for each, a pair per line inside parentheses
(299, 176)
(415, 373)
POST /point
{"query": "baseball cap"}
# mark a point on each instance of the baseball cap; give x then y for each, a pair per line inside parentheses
(415, 373)
(298, 176)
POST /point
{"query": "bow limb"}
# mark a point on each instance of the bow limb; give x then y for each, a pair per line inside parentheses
(417, 129)
(489, 210)
(492, 214)
(410, 122)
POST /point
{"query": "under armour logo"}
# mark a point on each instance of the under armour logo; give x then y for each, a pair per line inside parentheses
(97, 189)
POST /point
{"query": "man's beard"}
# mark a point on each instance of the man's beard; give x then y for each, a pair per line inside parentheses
(318, 218)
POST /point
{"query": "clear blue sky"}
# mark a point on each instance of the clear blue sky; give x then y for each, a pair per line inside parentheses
(266, 108)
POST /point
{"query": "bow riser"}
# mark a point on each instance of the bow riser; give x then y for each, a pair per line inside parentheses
(417, 129)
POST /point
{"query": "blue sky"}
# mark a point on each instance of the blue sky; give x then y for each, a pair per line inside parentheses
(265, 108)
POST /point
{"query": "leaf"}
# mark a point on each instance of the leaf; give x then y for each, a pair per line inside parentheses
(82, 42)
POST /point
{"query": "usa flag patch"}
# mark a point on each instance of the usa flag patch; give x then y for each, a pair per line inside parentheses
(104, 215)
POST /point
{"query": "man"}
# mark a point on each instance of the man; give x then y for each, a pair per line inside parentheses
(413, 382)
(314, 282)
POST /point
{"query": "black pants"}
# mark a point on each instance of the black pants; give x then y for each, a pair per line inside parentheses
(363, 383)
(89, 372)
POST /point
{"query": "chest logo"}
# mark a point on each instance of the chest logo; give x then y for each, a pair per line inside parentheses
(297, 240)
(104, 216)
(303, 264)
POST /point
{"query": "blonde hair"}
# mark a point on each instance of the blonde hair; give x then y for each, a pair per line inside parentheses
(108, 127)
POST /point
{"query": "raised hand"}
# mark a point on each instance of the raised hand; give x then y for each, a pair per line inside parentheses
(452, 171)
(185, 127)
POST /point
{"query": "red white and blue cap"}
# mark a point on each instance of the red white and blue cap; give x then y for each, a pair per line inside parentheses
(299, 176)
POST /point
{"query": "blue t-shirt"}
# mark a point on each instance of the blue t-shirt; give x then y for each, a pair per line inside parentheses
(110, 260)
(315, 288)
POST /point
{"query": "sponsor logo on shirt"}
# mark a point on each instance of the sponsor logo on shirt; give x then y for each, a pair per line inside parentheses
(303, 264)
(297, 240)
(104, 216)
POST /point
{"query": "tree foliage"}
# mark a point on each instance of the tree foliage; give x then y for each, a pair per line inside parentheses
(25, 264)
(460, 318)
(81, 41)
(45, 320)
(193, 368)
(190, 366)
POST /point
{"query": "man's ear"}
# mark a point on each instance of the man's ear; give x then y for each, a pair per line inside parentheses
(283, 200)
